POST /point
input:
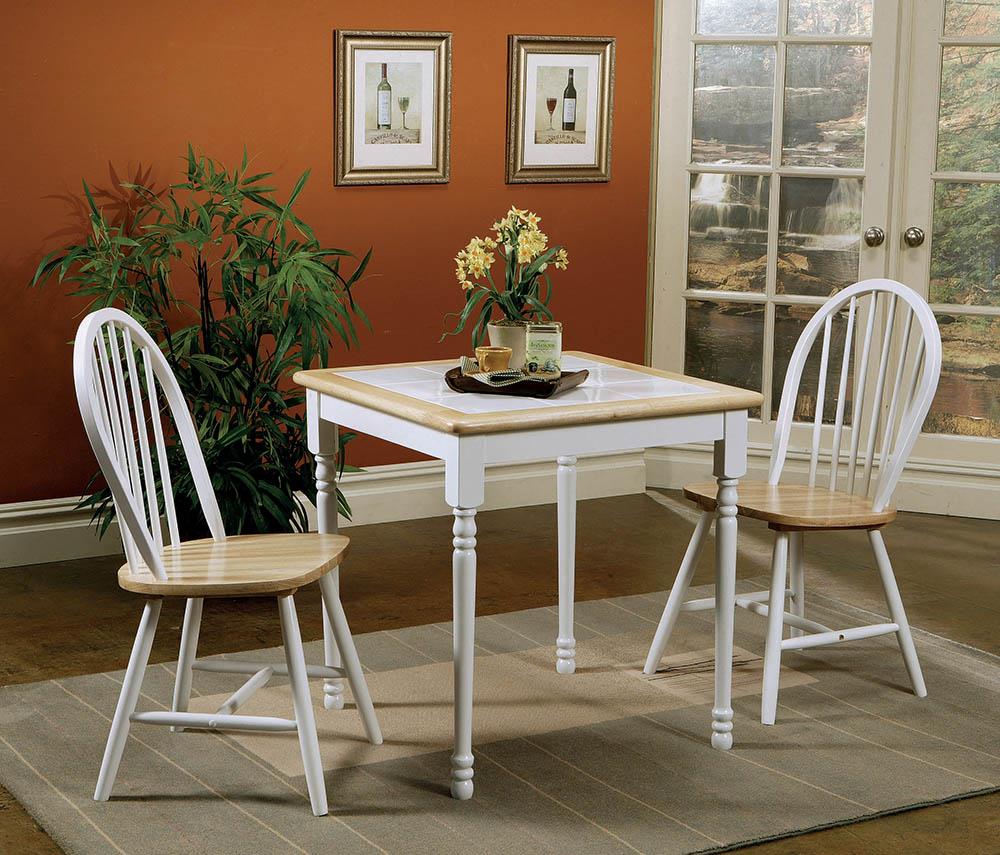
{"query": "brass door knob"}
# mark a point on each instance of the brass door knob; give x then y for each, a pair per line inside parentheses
(874, 236)
(913, 236)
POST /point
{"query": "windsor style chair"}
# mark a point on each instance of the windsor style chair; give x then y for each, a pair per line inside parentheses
(901, 344)
(121, 378)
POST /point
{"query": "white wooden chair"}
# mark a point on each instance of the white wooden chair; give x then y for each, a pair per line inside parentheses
(120, 377)
(899, 353)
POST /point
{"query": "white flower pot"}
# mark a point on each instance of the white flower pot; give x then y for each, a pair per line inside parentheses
(512, 336)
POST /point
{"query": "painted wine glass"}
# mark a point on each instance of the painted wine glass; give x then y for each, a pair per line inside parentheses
(404, 105)
(550, 105)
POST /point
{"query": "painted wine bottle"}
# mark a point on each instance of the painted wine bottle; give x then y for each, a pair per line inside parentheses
(569, 105)
(384, 106)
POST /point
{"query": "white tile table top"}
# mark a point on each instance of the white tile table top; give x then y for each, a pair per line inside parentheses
(604, 383)
(613, 390)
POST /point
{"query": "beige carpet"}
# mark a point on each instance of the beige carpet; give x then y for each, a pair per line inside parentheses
(606, 760)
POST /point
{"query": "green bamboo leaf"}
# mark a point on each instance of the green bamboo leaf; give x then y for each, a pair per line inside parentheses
(50, 262)
(254, 179)
(297, 189)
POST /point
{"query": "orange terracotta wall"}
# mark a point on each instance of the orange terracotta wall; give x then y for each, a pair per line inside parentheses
(88, 85)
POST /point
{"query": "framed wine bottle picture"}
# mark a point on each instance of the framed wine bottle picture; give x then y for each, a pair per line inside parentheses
(392, 106)
(559, 108)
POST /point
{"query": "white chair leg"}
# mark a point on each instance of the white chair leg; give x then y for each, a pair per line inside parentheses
(797, 581)
(345, 643)
(676, 598)
(302, 703)
(188, 652)
(127, 699)
(897, 613)
(775, 623)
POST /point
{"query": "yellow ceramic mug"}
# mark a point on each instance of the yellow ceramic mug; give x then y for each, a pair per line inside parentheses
(493, 358)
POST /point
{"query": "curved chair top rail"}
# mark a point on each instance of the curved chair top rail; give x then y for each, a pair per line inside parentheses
(120, 374)
(892, 346)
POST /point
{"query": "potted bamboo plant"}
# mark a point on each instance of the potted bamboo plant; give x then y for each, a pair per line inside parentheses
(501, 307)
(240, 293)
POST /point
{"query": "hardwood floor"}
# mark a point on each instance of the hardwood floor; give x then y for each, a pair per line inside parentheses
(71, 618)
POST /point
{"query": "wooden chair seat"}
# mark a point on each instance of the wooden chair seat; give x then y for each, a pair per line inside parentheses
(242, 566)
(796, 507)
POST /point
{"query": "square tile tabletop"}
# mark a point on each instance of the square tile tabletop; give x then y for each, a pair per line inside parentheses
(614, 390)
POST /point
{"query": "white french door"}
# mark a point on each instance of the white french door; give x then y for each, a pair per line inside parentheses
(950, 192)
(797, 142)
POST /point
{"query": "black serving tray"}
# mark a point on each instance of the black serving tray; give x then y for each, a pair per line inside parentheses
(523, 388)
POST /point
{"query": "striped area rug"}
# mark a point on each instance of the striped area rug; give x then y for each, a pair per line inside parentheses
(606, 760)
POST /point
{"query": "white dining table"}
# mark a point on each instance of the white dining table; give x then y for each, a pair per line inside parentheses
(620, 407)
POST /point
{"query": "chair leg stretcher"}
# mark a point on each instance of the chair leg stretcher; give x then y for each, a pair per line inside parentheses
(279, 669)
(214, 721)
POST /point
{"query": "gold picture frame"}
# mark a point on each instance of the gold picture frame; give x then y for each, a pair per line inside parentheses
(537, 151)
(372, 145)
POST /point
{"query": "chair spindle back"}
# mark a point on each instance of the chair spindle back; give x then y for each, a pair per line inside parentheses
(895, 368)
(121, 379)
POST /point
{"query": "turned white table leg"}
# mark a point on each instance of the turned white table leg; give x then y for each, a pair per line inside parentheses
(464, 488)
(323, 444)
(725, 604)
(566, 513)
(730, 463)
(333, 690)
(464, 582)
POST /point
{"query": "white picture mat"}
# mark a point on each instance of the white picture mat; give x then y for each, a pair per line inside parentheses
(388, 155)
(536, 154)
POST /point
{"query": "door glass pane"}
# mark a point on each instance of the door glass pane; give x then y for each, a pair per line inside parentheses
(826, 100)
(725, 342)
(965, 250)
(727, 232)
(968, 395)
(969, 121)
(818, 235)
(789, 321)
(733, 98)
(738, 17)
(830, 17)
(972, 18)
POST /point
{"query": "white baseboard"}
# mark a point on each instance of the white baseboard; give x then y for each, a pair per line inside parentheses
(50, 530)
(927, 486)
(54, 530)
